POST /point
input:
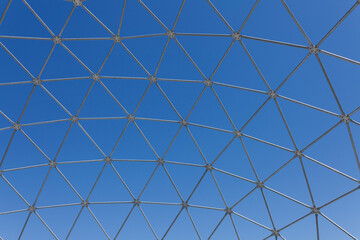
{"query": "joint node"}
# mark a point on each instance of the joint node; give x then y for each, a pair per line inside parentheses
(57, 39)
(298, 153)
(52, 164)
(131, 118)
(345, 118)
(209, 167)
(238, 133)
(236, 36)
(84, 203)
(184, 122)
(184, 204)
(78, 2)
(16, 126)
(107, 159)
(1, 172)
(171, 34)
(260, 184)
(136, 202)
(32, 209)
(275, 232)
(315, 210)
(208, 83)
(152, 79)
(36, 81)
(272, 94)
(314, 49)
(161, 161)
(74, 119)
(96, 77)
(117, 38)
(228, 210)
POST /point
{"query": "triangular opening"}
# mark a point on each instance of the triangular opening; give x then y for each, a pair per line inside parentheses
(36, 228)
(27, 181)
(83, 25)
(22, 153)
(262, 23)
(86, 226)
(83, 182)
(305, 227)
(11, 26)
(48, 137)
(16, 220)
(105, 132)
(63, 65)
(205, 228)
(78, 146)
(238, 70)
(182, 227)
(42, 107)
(268, 125)
(207, 194)
(131, 24)
(214, 47)
(209, 22)
(226, 229)
(160, 189)
(56, 191)
(99, 103)
(160, 142)
(135, 174)
(59, 225)
(155, 105)
(136, 227)
(208, 111)
(10, 200)
(132, 145)
(121, 63)
(308, 84)
(147, 50)
(110, 188)
(176, 64)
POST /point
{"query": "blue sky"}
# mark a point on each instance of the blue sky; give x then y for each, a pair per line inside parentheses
(314, 93)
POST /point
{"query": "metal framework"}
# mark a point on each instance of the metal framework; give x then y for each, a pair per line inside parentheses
(275, 231)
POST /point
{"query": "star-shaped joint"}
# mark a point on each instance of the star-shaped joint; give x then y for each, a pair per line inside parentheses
(183, 122)
(314, 49)
(161, 161)
(237, 133)
(185, 205)
(136, 202)
(298, 153)
(152, 79)
(315, 210)
(236, 36)
(209, 167)
(260, 184)
(36, 81)
(171, 34)
(208, 83)
(56, 39)
(117, 38)
(228, 210)
(96, 77)
(16, 126)
(32, 209)
(52, 164)
(345, 118)
(74, 119)
(107, 159)
(272, 94)
(77, 2)
(275, 232)
(84, 203)
(131, 118)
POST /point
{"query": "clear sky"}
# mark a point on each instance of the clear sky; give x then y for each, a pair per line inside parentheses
(196, 103)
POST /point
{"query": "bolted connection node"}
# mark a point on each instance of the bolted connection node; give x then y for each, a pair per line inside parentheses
(78, 2)
(96, 77)
(238, 133)
(314, 49)
(136, 202)
(152, 79)
(1, 172)
(208, 83)
(228, 210)
(236, 36)
(52, 164)
(209, 167)
(345, 118)
(117, 38)
(298, 153)
(260, 184)
(131, 118)
(32, 209)
(107, 159)
(183, 122)
(272, 94)
(57, 39)
(84, 203)
(74, 119)
(161, 161)
(275, 232)
(171, 34)
(36, 81)
(16, 126)
(184, 204)
(315, 210)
